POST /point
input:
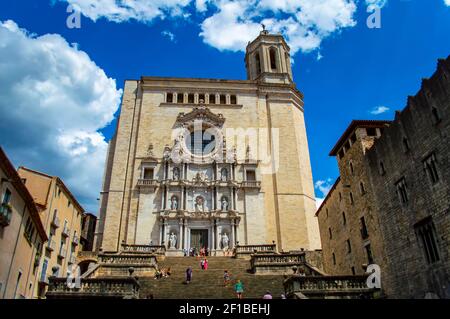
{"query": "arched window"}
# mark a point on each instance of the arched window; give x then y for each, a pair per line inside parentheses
(257, 63)
(273, 59)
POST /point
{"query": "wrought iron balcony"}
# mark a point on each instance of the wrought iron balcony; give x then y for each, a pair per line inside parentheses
(62, 252)
(66, 231)
(55, 221)
(50, 245)
(5, 214)
(76, 239)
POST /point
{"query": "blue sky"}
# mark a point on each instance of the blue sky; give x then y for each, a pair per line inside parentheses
(344, 69)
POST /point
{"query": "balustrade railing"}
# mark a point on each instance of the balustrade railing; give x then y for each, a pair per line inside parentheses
(147, 182)
(127, 259)
(276, 259)
(251, 184)
(118, 287)
(324, 284)
(251, 249)
(144, 249)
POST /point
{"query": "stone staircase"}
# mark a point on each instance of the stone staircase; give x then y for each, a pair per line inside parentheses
(208, 284)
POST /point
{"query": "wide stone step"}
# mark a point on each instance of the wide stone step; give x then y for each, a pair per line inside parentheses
(208, 284)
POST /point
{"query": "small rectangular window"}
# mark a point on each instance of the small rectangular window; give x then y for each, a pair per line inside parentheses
(334, 259)
(402, 190)
(169, 98)
(330, 233)
(369, 254)
(349, 246)
(431, 168)
(405, 144)
(6, 197)
(180, 98)
(233, 99)
(250, 175)
(191, 98)
(223, 99)
(344, 219)
(212, 98)
(364, 232)
(371, 131)
(426, 233)
(382, 169)
(148, 173)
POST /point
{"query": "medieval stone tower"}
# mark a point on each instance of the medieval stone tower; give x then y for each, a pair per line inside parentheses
(212, 163)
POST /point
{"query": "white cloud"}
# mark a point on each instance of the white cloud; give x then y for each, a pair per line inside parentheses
(53, 101)
(230, 24)
(124, 10)
(447, 2)
(324, 186)
(372, 4)
(168, 35)
(304, 23)
(379, 110)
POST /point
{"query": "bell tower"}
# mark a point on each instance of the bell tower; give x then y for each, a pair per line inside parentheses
(267, 59)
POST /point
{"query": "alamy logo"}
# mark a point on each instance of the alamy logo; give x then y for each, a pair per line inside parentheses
(374, 279)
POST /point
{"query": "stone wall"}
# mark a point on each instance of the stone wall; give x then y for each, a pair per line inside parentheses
(409, 273)
(395, 229)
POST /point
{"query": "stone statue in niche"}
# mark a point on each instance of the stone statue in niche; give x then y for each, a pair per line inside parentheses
(174, 203)
(225, 241)
(176, 173)
(172, 241)
(199, 204)
(224, 204)
(224, 174)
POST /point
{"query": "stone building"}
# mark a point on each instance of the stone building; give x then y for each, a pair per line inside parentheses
(61, 215)
(22, 235)
(348, 219)
(410, 171)
(394, 189)
(88, 224)
(212, 162)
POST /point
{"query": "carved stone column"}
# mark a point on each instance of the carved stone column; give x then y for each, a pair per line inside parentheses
(233, 234)
(180, 235)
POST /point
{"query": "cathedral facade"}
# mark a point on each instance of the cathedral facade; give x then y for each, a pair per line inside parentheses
(212, 163)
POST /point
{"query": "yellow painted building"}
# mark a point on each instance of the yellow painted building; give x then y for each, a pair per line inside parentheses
(22, 235)
(61, 215)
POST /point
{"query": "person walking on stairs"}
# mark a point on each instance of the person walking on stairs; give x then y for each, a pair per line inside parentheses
(239, 288)
(188, 275)
(226, 278)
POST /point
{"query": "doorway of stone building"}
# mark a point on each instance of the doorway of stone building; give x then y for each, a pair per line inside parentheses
(199, 238)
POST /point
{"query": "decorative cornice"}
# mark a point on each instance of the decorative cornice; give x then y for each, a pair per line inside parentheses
(200, 113)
